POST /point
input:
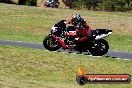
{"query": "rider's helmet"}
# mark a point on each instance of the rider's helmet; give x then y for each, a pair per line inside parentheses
(75, 18)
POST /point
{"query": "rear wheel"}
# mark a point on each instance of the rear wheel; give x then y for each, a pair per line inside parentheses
(51, 44)
(99, 48)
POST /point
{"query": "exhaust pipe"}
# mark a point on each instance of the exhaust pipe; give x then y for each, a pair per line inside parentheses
(102, 36)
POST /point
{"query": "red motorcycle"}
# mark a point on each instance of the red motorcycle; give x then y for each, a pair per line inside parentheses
(65, 37)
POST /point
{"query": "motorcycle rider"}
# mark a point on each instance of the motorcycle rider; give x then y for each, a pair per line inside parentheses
(83, 30)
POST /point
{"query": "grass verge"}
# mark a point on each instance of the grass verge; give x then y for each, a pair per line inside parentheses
(28, 68)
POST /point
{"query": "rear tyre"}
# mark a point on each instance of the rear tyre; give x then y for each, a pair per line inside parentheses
(99, 47)
(51, 44)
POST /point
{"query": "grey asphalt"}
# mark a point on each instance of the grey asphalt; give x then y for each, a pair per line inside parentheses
(113, 54)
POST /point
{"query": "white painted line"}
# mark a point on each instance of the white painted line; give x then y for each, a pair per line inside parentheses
(74, 53)
(118, 58)
(97, 56)
(126, 59)
(87, 55)
(91, 55)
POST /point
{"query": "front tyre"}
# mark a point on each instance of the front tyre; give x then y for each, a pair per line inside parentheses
(99, 47)
(51, 44)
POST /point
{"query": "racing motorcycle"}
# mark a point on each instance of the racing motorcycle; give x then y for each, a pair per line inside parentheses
(62, 36)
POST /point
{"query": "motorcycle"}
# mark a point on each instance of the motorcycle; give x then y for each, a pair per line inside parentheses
(62, 36)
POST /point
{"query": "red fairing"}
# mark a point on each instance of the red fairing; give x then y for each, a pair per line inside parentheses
(71, 33)
(61, 42)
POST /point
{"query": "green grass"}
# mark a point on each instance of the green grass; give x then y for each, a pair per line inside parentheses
(31, 24)
(29, 68)
(119, 42)
(20, 36)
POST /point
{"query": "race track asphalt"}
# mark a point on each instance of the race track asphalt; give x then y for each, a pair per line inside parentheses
(113, 54)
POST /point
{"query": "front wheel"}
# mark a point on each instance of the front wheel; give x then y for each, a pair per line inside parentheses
(99, 47)
(51, 44)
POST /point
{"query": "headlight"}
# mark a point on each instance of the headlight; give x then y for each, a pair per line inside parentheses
(54, 29)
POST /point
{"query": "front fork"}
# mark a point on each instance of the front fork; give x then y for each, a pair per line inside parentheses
(60, 41)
